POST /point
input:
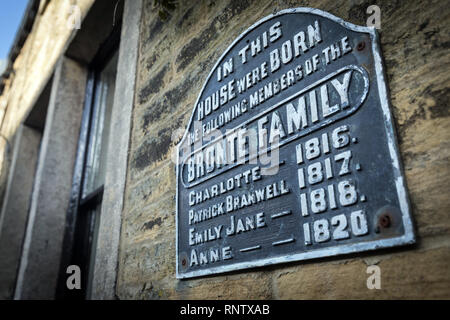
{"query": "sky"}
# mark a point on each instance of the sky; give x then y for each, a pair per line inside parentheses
(11, 12)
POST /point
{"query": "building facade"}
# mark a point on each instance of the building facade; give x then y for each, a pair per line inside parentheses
(93, 103)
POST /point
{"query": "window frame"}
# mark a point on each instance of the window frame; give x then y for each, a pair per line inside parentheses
(80, 204)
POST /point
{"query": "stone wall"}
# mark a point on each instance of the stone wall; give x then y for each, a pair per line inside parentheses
(175, 58)
(32, 69)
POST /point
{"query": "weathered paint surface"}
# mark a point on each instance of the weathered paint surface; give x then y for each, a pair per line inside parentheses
(262, 247)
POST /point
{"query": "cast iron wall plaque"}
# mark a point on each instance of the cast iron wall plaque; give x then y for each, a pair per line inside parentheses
(290, 153)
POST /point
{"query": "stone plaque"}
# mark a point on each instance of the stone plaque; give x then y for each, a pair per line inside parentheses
(290, 153)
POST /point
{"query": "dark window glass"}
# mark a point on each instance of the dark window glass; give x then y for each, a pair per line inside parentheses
(89, 176)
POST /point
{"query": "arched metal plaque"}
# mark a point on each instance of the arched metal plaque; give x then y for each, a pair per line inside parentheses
(290, 153)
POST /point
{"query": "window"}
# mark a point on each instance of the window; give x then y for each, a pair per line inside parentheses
(89, 173)
(94, 168)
